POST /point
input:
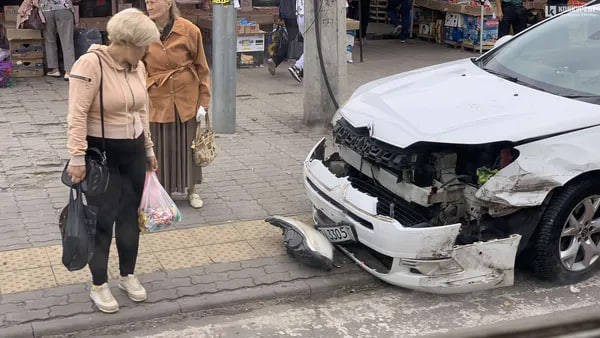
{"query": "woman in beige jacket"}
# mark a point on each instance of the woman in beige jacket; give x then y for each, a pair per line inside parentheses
(128, 143)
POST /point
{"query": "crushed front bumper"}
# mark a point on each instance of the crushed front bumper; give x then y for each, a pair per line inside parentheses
(424, 259)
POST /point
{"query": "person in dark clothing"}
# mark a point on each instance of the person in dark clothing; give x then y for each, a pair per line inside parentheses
(401, 28)
(511, 13)
(365, 13)
(287, 13)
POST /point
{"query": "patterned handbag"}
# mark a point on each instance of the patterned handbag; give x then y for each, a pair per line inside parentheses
(203, 146)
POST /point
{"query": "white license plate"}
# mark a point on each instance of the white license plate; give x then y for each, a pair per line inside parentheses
(338, 234)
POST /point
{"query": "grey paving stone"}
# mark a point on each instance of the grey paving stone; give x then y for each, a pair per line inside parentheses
(155, 276)
(235, 284)
(196, 289)
(27, 315)
(247, 273)
(46, 302)
(71, 309)
(197, 271)
(210, 278)
(272, 278)
(161, 295)
(223, 267)
(17, 331)
(66, 290)
(169, 283)
(82, 297)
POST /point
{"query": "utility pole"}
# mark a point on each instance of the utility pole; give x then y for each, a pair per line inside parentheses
(318, 104)
(224, 43)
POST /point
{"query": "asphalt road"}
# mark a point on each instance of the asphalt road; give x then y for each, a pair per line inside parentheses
(383, 312)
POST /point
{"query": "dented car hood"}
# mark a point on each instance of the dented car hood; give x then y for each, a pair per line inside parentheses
(460, 103)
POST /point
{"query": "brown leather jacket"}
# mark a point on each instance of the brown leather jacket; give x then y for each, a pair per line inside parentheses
(178, 75)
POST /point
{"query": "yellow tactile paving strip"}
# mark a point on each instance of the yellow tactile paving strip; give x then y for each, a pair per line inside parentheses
(41, 268)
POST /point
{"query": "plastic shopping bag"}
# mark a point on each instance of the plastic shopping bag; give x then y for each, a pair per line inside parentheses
(157, 210)
(78, 231)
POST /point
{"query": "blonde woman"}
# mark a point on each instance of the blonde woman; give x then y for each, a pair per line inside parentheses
(128, 144)
(178, 84)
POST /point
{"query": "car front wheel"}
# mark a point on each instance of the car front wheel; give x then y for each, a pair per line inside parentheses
(567, 246)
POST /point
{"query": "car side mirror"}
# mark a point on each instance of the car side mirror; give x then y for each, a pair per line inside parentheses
(503, 40)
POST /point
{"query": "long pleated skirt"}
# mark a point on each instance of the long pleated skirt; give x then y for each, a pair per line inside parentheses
(172, 143)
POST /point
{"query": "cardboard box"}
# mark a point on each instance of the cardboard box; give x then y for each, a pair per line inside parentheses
(27, 68)
(251, 28)
(10, 14)
(25, 43)
(454, 20)
(251, 42)
(454, 34)
(472, 30)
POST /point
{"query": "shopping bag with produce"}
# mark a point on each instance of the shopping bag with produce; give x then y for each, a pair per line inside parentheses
(157, 210)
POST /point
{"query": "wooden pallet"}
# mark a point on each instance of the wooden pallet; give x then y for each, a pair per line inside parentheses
(475, 48)
(453, 44)
(424, 37)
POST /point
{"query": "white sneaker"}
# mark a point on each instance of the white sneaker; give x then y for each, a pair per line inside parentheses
(397, 30)
(134, 289)
(53, 74)
(104, 299)
(195, 201)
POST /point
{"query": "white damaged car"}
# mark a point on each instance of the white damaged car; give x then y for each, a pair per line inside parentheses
(440, 177)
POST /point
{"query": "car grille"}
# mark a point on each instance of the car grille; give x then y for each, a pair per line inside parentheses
(408, 214)
(375, 151)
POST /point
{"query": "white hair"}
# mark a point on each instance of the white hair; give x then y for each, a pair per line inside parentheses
(132, 27)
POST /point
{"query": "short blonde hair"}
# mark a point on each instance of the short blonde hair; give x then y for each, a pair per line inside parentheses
(132, 27)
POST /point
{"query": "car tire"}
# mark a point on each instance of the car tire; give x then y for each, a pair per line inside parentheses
(563, 227)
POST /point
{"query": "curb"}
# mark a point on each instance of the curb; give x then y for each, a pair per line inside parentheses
(304, 288)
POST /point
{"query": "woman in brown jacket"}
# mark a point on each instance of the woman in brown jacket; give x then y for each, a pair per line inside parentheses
(178, 84)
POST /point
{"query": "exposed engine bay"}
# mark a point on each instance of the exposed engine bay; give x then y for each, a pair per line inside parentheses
(428, 184)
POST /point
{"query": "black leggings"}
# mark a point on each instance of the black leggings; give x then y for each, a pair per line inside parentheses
(119, 205)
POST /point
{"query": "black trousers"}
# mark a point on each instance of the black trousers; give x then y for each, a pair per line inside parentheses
(515, 16)
(291, 25)
(365, 12)
(119, 205)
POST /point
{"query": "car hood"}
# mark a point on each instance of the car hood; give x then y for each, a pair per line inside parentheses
(460, 103)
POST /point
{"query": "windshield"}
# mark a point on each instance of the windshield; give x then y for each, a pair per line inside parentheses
(560, 56)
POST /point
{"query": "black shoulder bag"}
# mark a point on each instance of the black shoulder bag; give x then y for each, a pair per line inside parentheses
(97, 175)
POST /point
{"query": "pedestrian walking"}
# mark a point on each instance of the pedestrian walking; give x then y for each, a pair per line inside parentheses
(111, 81)
(178, 84)
(287, 13)
(401, 28)
(297, 70)
(60, 19)
(511, 13)
(365, 12)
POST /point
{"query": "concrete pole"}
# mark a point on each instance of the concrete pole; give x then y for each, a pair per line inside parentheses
(318, 106)
(224, 43)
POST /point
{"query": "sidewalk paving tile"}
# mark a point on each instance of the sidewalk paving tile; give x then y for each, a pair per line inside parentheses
(183, 258)
(257, 229)
(25, 280)
(66, 277)
(231, 252)
(23, 259)
(171, 240)
(268, 246)
(216, 234)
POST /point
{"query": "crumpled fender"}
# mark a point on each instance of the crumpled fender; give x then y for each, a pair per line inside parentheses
(543, 166)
